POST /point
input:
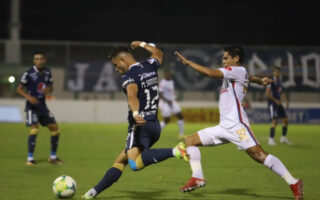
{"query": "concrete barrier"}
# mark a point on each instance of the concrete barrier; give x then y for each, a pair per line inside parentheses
(111, 111)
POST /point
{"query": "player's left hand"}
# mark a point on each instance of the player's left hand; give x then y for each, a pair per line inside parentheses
(182, 58)
(139, 120)
(135, 44)
(266, 81)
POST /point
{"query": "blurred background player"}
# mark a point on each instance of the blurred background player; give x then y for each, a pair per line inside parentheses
(140, 84)
(168, 104)
(34, 85)
(276, 110)
(234, 124)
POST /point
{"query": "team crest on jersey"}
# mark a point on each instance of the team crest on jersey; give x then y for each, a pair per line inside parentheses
(41, 86)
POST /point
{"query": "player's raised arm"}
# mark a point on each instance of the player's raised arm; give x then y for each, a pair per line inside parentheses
(202, 69)
(261, 81)
(133, 101)
(155, 52)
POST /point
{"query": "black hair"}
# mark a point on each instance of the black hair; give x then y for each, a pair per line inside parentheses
(39, 52)
(235, 51)
(277, 68)
(116, 51)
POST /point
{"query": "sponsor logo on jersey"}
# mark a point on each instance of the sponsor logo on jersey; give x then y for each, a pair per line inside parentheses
(146, 75)
(223, 91)
(41, 86)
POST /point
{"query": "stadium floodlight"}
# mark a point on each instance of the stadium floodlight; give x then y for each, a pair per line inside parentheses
(11, 79)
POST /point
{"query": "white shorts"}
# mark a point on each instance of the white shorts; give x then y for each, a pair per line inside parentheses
(240, 135)
(167, 110)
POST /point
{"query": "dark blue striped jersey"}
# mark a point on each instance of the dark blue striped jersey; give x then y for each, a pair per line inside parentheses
(35, 82)
(276, 88)
(145, 75)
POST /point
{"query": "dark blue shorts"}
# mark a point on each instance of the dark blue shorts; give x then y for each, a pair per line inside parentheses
(143, 136)
(39, 115)
(276, 111)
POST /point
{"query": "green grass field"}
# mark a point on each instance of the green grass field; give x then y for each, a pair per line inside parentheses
(89, 150)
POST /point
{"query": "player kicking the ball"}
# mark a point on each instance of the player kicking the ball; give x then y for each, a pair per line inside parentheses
(234, 124)
(140, 84)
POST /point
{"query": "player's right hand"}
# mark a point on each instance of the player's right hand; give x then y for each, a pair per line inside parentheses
(135, 44)
(277, 102)
(33, 100)
(181, 58)
(139, 120)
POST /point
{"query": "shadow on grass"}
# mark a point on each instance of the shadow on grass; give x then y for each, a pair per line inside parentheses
(246, 192)
(150, 195)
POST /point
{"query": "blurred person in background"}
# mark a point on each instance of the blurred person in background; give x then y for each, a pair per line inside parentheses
(34, 85)
(275, 97)
(168, 104)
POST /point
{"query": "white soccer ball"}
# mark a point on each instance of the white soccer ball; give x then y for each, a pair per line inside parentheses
(64, 186)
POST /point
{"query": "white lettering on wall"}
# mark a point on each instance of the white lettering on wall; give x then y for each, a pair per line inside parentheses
(256, 66)
(78, 84)
(290, 82)
(305, 75)
(106, 81)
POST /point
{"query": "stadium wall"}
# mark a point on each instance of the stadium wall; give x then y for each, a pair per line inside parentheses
(107, 111)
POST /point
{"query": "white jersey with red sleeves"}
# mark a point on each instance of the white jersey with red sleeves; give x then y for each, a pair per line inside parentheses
(233, 90)
(166, 88)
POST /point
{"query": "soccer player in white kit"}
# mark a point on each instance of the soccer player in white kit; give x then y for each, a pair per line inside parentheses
(168, 104)
(234, 124)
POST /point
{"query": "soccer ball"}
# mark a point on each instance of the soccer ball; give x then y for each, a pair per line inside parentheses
(64, 186)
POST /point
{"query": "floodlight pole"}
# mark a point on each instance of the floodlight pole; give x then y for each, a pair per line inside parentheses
(13, 45)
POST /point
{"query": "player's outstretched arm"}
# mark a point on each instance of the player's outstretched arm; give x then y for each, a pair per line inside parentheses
(155, 52)
(202, 69)
(133, 101)
(261, 81)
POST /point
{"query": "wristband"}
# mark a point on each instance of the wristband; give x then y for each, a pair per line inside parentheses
(135, 113)
(142, 44)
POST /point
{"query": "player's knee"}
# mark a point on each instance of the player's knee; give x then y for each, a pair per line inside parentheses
(180, 116)
(190, 140)
(285, 121)
(119, 166)
(137, 164)
(133, 165)
(55, 133)
(166, 120)
(260, 157)
(34, 131)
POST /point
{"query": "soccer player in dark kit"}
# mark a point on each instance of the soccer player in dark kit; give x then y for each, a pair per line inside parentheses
(34, 85)
(140, 84)
(275, 97)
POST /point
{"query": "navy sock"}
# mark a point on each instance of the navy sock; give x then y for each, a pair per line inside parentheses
(54, 144)
(284, 130)
(152, 156)
(272, 132)
(31, 144)
(111, 176)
